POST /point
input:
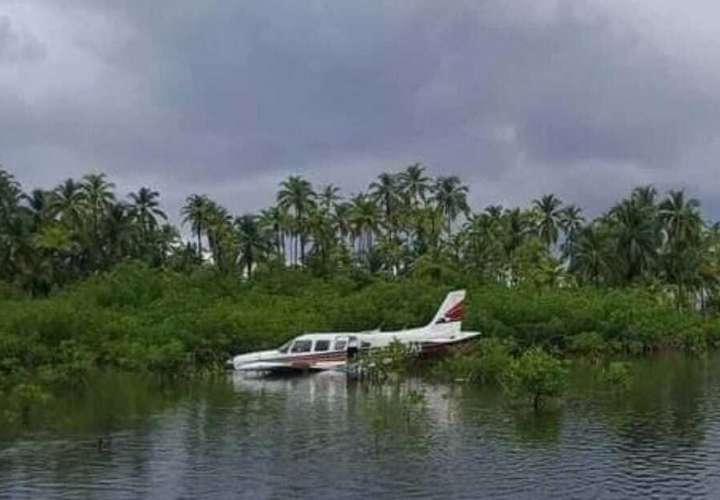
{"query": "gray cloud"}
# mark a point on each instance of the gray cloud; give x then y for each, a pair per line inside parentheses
(583, 98)
(18, 46)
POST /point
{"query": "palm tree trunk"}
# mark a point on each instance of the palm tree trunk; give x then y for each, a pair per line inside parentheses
(302, 248)
(295, 249)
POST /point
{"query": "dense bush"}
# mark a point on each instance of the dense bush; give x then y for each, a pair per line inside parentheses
(139, 318)
(485, 363)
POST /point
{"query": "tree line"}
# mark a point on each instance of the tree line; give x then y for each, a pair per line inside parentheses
(405, 223)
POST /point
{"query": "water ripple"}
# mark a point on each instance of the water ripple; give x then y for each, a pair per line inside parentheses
(319, 437)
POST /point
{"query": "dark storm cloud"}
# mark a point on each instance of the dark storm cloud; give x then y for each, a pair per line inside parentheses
(582, 98)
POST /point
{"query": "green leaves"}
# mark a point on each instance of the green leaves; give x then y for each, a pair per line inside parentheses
(536, 376)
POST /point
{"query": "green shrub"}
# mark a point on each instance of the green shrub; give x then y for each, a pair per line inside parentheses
(694, 341)
(140, 318)
(535, 376)
(589, 344)
(485, 364)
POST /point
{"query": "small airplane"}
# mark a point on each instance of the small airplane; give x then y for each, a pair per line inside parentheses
(334, 351)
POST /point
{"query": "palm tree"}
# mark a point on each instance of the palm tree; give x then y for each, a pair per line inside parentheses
(324, 237)
(683, 227)
(415, 184)
(571, 222)
(392, 254)
(515, 230)
(119, 232)
(429, 223)
(483, 235)
(38, 202)
(296, 194)
(68, 203)
(645, 196)
(328, 197)
(165, 242)
(549, 209)
(364, 221)
(13, 231)
(385, 191)
(97, 196)
(253, 242)
(450, 197)
(10, 195)
(144, 208)
(220, 235)
(195, 212)
(341, 222)
(593, 258)
(636, 235)
(275, 220)
(680, 218)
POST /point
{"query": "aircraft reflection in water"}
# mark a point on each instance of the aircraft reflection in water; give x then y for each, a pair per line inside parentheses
(333, 395)
(332, 351)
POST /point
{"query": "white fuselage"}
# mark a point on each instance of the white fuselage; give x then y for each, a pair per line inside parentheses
(325, 351)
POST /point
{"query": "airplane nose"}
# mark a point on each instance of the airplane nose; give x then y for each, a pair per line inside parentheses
(242, 359)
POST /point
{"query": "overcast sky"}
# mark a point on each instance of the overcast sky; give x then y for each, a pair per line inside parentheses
(517, 97)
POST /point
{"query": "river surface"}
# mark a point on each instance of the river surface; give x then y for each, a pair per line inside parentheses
(321, 437)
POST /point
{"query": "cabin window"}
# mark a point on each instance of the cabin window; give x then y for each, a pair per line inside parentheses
(302, 346)
(365, 345)
(340, 345)
(322, 345)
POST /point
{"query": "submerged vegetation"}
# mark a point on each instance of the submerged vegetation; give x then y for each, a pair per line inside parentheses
(91, 280)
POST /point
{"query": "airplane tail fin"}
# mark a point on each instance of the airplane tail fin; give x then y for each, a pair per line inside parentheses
(452, 309)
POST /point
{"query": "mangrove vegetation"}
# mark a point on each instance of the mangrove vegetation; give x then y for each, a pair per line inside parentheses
(90, 278)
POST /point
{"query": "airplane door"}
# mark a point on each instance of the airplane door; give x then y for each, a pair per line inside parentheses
(353, 347)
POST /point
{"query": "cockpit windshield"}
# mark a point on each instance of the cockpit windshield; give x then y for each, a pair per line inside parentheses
(284, 348)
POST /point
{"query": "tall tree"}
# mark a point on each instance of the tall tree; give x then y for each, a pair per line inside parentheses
(196, 212)
(275, 219)
(221, 237)
(450, 197)
(415, 185)
(386, 191)
(68, 203)
(144, 209)
(120, 233)
(253, 242)
(328, 198)
(549, 210)
(636, 234)
(365, 220)
(98, 196)
(681, 253)
(571, 222)
(297, 195)
(593, 257)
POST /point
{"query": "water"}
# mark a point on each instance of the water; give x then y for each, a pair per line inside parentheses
(320, 437)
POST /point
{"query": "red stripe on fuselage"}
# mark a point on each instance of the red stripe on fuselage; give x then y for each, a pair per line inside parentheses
(310, 358)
